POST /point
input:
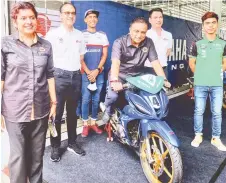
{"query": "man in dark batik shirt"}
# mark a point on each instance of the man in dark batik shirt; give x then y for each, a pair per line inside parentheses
(129, 54)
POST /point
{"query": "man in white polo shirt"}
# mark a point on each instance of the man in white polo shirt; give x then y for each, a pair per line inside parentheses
(68, 52)
(161, 38)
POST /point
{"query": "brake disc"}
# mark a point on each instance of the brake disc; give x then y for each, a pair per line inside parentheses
(158, 163)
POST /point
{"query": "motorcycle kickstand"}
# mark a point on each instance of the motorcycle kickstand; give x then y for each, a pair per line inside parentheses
(108, 129)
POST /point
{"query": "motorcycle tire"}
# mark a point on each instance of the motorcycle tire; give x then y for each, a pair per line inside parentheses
(166, 165)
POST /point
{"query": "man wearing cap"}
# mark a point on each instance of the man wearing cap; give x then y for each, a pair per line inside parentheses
(68, 53)
(162, 39)
(92, 67)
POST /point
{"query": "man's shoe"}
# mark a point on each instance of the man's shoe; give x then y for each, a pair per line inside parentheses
(76, 149)
(55, 154)
(85, 131)
(218, 144)
(96, 129)
(197, 141)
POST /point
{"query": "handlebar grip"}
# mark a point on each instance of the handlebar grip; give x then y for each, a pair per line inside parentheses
(127, 86)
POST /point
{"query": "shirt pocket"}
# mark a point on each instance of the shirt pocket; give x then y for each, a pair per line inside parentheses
(40, 60)
(126, 57)
(14, 60)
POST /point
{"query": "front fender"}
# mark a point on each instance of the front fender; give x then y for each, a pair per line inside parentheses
(162, 128)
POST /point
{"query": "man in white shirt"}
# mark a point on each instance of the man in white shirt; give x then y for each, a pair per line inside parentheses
(68, 52)
(162, 39)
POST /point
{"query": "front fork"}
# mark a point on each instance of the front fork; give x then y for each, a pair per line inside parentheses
(148, 154)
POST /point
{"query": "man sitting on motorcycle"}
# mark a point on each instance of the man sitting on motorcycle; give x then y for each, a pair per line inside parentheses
(129, 54)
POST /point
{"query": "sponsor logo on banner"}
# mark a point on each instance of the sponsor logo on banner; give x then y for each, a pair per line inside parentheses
(43, 24)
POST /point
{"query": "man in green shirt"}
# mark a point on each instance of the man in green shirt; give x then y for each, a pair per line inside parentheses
(208, 60)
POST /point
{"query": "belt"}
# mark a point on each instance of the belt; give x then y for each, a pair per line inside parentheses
(67, 72)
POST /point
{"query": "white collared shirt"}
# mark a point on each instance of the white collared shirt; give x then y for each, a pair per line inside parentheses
(67, 48)
(162, 44)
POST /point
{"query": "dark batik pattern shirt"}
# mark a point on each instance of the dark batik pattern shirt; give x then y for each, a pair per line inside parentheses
(132, 58)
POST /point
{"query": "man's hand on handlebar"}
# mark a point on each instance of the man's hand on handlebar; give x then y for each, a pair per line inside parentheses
(116, 86)
(167, 84)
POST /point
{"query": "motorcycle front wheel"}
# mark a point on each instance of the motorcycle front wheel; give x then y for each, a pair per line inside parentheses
(164, 163)
(224, 97)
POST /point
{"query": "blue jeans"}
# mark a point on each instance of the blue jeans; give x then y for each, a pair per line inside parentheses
(87, 96)
(216, 98)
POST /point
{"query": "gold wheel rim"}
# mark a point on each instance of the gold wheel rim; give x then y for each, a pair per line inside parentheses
(153, 138)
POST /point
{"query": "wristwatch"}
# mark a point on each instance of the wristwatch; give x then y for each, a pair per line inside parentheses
(99, 69)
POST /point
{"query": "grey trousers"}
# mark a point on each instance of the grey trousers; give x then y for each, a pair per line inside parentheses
(27, 144)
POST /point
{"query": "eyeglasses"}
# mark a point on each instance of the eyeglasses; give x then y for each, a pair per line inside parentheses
(67, 13)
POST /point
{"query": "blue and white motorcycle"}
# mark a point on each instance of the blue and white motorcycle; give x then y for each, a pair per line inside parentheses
(140, 125)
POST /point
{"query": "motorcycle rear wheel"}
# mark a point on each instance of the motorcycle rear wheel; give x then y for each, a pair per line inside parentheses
(167, 162)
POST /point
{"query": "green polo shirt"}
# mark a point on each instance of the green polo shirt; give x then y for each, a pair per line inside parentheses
(209, 56)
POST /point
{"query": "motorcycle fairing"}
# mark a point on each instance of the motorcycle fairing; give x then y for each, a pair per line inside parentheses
(160, 127)
(148, 125)
(162, 99)
(140, 107)
(148, 82)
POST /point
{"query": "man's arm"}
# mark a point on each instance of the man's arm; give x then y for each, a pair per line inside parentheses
(192, 61)
(159, 71)
(168, 52)
(104, 57)
(2, 86)
(169, 46)
(105, 51)
(158, 68)
(94, 73)
(86, 69)
(3, 72)
(115, 59)
(52, 89)
(51, 84)
(224, 58)
(115, 69)
(115, 66)
(153, 58)
(192, 57)
(83, 64)
(224, 64)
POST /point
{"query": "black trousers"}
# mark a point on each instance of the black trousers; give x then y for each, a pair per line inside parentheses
(68, 91)
(27, 144)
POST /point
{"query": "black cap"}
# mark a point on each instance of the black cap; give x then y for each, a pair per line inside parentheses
(90, 11)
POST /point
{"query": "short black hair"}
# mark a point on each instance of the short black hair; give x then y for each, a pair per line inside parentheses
(139, 20)
(155, 9)
(66, 4)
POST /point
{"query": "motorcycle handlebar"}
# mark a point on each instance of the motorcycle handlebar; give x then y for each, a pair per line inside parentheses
(127, 86)
(191, 81)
